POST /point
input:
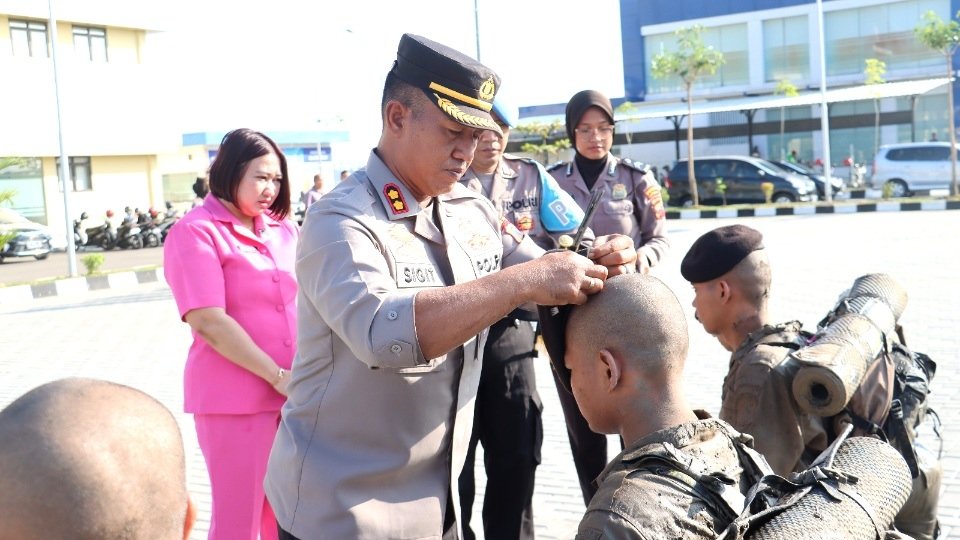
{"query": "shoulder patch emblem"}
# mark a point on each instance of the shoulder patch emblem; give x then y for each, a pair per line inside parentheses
(398, 205)
(510, 230)
(525, 223)
(619, 192)
(655, 200)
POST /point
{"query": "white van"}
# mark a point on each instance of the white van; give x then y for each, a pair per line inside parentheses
(912, 167)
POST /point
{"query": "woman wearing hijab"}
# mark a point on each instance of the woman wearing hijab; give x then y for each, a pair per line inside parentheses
(630, 205)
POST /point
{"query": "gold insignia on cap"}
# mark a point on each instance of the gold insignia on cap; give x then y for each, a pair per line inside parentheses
(482, 105)
(454, 112)
(487, 89)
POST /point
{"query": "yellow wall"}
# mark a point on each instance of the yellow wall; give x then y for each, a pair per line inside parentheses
(117, 181)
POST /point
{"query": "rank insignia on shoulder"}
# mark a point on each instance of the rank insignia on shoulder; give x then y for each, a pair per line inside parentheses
(555, 166)
(619, 192)
(635, 165)
(398, 205)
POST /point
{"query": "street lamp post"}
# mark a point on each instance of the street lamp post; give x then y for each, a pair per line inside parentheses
(824, 111)
(64, 166)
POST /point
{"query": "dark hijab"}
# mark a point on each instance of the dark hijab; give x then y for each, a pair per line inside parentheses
(590, 169)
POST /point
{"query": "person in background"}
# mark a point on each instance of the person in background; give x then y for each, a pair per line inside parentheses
(230, 265)
(344, 174)
(85, 458)
(507, 421)
(631, 204)
(401, 270)
(313, 194)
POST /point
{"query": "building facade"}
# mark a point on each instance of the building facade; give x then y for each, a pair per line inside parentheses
(113, 129)
(767, 41)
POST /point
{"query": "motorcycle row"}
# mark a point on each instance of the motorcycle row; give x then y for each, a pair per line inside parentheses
(136, 230)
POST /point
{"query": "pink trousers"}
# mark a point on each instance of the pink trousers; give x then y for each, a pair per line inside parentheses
(236, 448)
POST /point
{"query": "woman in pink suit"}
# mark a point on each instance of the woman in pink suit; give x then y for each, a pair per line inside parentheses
(230, 265)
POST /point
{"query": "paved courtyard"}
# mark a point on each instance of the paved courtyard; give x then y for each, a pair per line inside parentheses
(133, 336)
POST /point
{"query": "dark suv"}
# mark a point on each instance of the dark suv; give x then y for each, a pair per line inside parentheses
(743, 177)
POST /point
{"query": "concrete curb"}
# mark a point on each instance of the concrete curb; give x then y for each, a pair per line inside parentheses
(838, 208)
(79, 285)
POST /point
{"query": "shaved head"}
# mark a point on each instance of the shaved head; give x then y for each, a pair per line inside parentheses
(83, 458)
(752, 277)
(636, 317)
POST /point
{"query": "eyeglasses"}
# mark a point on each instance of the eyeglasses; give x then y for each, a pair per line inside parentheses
(604, 131)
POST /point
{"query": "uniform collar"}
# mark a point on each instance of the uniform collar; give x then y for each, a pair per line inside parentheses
(220, 212)
(396, 198)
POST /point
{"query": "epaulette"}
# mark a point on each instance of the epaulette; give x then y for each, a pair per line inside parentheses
(524, 159)
(635, 165)
(555, 166)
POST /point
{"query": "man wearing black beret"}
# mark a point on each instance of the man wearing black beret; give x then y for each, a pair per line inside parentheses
(400, 271)
(730, 274)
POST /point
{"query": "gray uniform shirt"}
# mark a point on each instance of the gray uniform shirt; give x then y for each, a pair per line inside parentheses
(631, 204)
(516, 192)
(372, 432)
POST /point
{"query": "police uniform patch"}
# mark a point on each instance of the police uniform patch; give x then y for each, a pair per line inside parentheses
(525, 223)
(486, 263)
(398, 205)
(619, 192)
(655, 200)
(412, 274)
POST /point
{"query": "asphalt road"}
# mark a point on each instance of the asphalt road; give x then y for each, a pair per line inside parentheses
(27, 269)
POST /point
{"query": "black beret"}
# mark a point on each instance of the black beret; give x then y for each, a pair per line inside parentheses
(718, 251)
(460, 86)
(580, 102)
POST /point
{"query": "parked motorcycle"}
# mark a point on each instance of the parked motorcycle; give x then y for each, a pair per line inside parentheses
(103, 236)
(128, 235)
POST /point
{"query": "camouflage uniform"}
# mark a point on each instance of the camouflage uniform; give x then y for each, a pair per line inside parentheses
(642, 498)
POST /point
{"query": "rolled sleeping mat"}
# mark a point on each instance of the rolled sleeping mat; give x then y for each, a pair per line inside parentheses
(881, 286)
(882, 482)
(879, 312)
(828, 375)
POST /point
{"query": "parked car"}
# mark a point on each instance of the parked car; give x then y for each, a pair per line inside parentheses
(29, 239)
(836, 193)
(743, 177)
(912, 167)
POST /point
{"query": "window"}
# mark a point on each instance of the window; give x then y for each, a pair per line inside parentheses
(731, 40)
(29, 38)
(786, 48)
(884, 31)
(79, 173)
(90, 43)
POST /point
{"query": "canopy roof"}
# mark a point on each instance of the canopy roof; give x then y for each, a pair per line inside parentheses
(665, 109)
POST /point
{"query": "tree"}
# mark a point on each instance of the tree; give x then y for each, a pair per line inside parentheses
(784, 88)
(690, 61)
(6, 196)
(873, 74)
(944, 37)
(550, 136)
(626, 109)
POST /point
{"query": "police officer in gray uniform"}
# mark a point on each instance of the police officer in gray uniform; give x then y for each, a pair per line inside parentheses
(507, 418)
(630, 205)
(399, 273)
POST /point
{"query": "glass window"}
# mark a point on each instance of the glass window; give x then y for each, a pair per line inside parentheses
(90, 43)
(786, 49)
(731, 40)
(29, 38)
(884, 31)
(79, 173)
(24, 177)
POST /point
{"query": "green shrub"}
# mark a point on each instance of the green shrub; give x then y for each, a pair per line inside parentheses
(887, 190)
(93, 262)
(664, 196)
(721, 188)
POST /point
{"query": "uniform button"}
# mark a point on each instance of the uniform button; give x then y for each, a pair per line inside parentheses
(396, 349)
(287, 343)
(280, 307)
(276, 278)
(392, 315)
